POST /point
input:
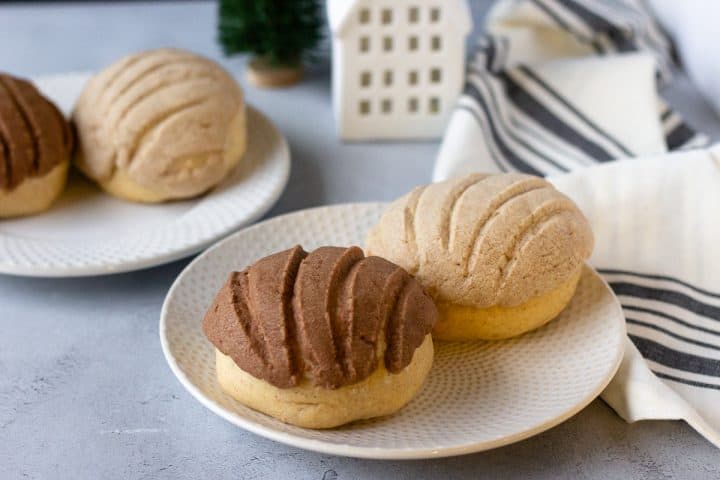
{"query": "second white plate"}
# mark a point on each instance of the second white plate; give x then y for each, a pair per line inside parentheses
(88, 232)
(479, 395)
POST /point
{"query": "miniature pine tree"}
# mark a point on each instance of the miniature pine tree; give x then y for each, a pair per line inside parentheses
(279, 34)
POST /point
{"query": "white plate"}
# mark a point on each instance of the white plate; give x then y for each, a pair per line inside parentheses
(479, 395)
(88, 232)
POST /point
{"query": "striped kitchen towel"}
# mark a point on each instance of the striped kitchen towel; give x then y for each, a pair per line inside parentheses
(557, 85)
(657, 243)
(560, 85)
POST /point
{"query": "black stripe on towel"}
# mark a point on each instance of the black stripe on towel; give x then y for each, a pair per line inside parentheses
(650, 276)
(668, 357)
(667, 296)
(491, 53)
(679, 136)
(552, 92)
(494, 102)
(672, 318)
(508, 153)
(657, 328)
(620, 39)
(686, 381)
(548, 120)
(624, 34)
(597, 46)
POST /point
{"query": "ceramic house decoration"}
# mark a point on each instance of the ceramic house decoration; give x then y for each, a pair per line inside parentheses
(398, 65)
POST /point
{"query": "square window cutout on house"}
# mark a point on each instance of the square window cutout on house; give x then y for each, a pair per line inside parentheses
(365, 79)
(364, 44)
(388, 78)
(413, 14)
(435, 14)
(435, 75)
(364, 107)
(386, 17)
(412, 77)
(364, 16)
(413, 43)
(436, 43)
(434, 105)
(412, 105)
(388, 44)
(386, 105)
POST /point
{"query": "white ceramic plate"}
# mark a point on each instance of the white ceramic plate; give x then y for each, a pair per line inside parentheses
(479, 395)
(88, 232)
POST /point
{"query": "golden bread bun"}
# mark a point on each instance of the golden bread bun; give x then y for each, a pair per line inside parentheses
(322, 338)
(36, 194)
(312, 406)
(490, 249)
(160, 125)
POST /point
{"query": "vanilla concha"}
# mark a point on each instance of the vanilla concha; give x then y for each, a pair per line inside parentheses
(160, 125)
(500, 254)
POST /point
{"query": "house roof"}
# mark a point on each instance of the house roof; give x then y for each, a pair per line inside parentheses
(340, 11)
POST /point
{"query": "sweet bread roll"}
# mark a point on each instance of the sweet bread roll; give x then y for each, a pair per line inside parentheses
(500, 254)
(160, 125)
(35, 147)
(323, 338)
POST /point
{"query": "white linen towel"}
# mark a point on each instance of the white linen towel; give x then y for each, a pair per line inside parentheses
(561, 85)
(657, 243)
(558, 85)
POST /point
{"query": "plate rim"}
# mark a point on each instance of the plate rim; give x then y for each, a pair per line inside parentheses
(175, 254)
(376, 453)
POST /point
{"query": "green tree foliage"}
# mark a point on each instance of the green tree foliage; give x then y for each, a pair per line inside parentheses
(283, 31)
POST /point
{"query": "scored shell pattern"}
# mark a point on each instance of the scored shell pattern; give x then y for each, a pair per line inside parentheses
(484, 240)
(140, 114)
(329, 316)
(34, 136)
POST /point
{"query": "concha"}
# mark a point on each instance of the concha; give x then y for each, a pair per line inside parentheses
(485, 240)
(328, 316)
(160, 125)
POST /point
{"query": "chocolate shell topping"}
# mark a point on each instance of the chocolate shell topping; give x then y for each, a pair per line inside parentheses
(329, 315)
(34, 136)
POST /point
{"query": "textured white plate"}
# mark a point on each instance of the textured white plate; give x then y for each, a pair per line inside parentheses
(88, 232)
(479, 395)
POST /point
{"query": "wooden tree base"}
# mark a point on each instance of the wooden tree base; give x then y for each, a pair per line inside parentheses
(262, 74)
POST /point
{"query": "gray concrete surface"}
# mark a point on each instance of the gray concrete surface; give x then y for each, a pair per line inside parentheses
(84, 390)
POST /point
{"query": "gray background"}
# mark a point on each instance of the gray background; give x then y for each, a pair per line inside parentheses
(84, 389)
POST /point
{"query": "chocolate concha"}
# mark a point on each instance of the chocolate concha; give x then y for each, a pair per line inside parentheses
(485, 240)
(34, 136)
(328, 316)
